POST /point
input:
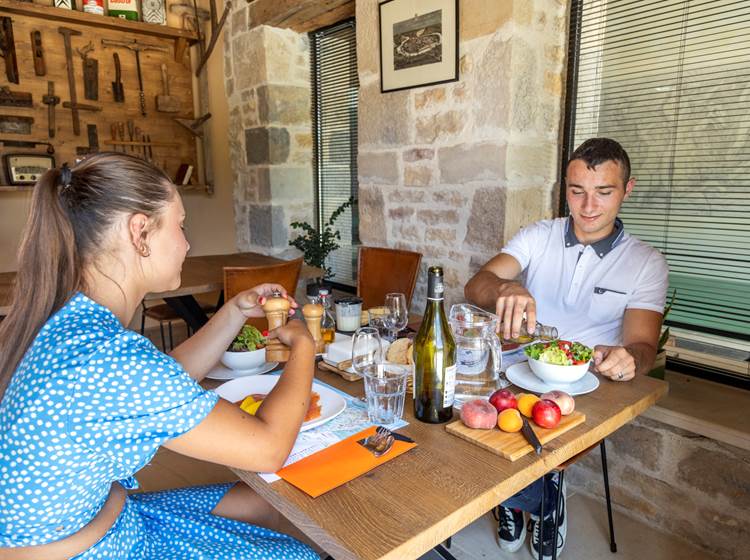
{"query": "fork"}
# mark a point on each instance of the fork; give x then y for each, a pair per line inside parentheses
(379, 443)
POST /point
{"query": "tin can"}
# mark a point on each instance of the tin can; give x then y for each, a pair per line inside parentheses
(94, 7)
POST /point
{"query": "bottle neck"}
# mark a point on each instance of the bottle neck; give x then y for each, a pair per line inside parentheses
(435, 288)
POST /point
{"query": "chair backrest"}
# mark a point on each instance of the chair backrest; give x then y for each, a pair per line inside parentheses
(239, 278)
(382, 271)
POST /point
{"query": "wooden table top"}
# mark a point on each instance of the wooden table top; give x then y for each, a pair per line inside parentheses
(407, 506)
(199, 275)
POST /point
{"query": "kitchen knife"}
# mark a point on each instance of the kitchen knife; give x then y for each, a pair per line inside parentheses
(530, 436)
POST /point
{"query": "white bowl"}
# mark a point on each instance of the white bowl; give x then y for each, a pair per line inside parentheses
(244, 361)
(552, 373)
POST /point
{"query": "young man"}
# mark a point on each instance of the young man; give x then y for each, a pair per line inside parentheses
(589, 278)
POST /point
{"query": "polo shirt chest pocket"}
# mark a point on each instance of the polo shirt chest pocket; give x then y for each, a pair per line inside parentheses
(607, 304)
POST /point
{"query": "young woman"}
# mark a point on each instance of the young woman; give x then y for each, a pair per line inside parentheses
(86, 403)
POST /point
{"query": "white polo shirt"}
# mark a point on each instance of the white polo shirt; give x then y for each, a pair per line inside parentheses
(584, 290)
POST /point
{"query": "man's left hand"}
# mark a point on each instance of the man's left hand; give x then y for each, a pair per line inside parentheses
(615, 362)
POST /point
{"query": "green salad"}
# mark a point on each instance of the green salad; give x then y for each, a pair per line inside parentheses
(247, 340)
(560, 352)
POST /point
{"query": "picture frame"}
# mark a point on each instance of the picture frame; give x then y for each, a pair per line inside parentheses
(418, 43)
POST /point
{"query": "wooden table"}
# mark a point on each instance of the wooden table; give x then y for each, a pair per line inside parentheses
(405, 507)
(199, 275)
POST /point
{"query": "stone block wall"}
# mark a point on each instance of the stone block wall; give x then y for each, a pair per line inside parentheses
(454, 170)
(267, 79)
(677, 481)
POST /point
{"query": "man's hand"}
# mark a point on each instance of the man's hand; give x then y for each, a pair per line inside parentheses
(513, 300)
(615, 362)
(250, 302)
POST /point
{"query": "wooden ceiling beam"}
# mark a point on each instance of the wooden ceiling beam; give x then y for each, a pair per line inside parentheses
(299, 15)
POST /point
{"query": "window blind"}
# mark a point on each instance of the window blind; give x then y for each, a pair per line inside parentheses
(669, 80)
(335, 85)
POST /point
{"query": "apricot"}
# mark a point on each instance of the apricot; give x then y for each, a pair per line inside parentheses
(526, 402)
(509, 420)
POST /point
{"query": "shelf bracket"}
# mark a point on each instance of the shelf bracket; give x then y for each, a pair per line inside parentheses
(215, 31)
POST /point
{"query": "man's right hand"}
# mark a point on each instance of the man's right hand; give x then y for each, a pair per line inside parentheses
(513, 300)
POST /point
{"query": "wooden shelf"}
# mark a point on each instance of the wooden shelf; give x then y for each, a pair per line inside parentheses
(104, 22)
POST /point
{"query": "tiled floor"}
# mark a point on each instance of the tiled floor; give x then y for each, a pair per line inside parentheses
(587, 522)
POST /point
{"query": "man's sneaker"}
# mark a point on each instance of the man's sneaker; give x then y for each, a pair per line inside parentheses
(549, 531)
(511, 529)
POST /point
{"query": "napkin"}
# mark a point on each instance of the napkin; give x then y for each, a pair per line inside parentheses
(340, 349)
(335, 465)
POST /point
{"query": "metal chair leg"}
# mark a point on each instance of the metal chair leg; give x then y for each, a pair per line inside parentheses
(441, 550)
(163, 341)
(448, 542)
(541, 518)
(558, 506)
(171, 338)
(612, 543)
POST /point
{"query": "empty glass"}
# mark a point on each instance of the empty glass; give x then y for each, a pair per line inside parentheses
(397, 314)
(367, 349)
(385, 389)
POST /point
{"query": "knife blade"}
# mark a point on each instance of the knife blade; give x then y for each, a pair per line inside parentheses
(530, 436)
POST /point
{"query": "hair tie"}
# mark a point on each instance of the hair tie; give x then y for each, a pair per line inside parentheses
(66, 177)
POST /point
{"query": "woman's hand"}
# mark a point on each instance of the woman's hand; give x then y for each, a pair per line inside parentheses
(293, 333)
(250, 302)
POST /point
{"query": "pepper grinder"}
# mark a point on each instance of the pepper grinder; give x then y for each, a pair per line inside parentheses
(276, 309)
(313, 313)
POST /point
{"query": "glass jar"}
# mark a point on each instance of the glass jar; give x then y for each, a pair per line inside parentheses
(348, 313)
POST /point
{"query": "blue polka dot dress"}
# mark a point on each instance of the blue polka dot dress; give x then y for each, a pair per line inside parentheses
(90, 404)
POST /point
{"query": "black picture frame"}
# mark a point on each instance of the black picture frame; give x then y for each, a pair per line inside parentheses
(426, 54)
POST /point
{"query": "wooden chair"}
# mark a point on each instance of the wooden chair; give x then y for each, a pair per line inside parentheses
(239, 278)
(382, 271)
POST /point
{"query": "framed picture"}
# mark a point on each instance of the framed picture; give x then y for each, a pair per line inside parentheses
(418, 43)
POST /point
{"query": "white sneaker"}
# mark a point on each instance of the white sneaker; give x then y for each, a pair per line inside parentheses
(511, 530)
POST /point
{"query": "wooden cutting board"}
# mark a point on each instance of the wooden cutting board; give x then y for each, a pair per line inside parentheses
(513, 445)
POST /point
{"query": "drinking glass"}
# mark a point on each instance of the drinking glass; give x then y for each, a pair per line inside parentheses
(385, 390)
(367, 349)
(397, 315)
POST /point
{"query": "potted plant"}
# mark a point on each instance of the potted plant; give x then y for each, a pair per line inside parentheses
(660, 364)
(317, 245)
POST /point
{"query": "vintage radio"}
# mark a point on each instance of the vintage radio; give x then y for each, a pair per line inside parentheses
(26, 169)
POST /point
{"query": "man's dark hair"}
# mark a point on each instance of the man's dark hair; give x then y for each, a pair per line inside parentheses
(595, 151)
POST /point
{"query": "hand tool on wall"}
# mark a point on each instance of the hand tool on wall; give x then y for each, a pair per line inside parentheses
(27, 144)
(8, 49)
(131, 133)
(13, 124)
(215, 31)
(73, 104)
(136, 47)
(93, 136)
(194, 127)
(51, 100)
(141, 150)
(90, 73)
(150, 148)
(121, 133)
(166, 103)
(37, 52)
(15, 98)
(113, 135)
(117, 90)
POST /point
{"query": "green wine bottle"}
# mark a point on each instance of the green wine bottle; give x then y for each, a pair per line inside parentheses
(434, 357)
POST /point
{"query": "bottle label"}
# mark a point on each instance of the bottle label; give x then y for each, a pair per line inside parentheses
(449, 388)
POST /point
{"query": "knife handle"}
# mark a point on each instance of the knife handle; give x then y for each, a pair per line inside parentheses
(530, 436)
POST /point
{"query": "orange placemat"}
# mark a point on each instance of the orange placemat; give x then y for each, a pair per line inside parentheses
(335, 465)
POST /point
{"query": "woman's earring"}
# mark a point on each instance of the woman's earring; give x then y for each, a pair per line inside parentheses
(144, 250)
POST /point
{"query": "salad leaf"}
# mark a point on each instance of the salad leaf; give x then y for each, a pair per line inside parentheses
(248, 339)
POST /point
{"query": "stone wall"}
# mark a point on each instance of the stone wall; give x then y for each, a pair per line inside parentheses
(677, 481)
(454, 170)
(267, 79)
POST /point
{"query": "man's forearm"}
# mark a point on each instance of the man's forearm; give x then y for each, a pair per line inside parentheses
(483, 289)
(644, 356)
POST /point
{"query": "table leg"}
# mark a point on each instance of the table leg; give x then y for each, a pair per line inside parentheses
(189, 310)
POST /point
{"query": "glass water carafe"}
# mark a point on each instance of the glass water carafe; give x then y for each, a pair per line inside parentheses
(478, 353)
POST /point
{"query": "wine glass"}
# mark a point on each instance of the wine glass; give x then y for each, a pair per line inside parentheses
(397, 314)
(367, 349)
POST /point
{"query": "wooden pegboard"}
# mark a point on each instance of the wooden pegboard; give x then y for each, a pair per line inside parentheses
(161, 127)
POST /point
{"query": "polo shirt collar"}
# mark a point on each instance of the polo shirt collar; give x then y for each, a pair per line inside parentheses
(601, 247)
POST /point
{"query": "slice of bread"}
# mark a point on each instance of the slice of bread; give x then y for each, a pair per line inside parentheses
(400, 352)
